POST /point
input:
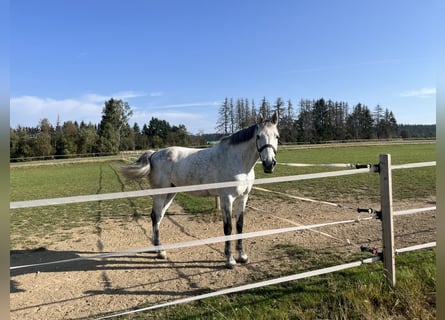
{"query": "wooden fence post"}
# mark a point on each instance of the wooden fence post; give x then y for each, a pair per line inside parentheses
(387, 218)
(218, 203)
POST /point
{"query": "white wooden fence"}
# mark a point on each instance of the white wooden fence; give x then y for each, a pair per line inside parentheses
(384, 168)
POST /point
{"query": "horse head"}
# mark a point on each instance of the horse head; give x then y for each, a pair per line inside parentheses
(267, 141)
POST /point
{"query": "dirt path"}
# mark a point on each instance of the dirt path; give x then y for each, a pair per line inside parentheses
(93, 288)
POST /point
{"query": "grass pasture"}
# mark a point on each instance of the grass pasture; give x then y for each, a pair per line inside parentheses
(407, 184)
(360, 293)
(40, 226)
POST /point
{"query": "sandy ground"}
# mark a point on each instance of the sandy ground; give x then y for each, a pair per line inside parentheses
(89, 289)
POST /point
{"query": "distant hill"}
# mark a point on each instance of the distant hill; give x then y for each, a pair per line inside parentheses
(416, 130)
(403, 131)
(212, 137)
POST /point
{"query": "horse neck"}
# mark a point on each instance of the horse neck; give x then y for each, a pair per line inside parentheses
(245, 153)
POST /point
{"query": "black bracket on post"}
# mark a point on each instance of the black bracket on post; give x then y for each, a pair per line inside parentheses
(367, 210)
(370, 250)
(378, 213)
(373, 251)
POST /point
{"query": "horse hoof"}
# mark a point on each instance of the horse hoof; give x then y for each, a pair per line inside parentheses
(242, 259)
(162, 255)
(231, 263)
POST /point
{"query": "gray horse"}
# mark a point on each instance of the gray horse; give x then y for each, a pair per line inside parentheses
(233, 159)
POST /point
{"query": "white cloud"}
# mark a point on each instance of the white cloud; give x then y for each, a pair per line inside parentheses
(177, 115)
(29, 110)
(156, 94)
(193, 120)
(170, 116)
(128, 94)
(421, 93)
(189, 105)
(93, 97)
(144, 114)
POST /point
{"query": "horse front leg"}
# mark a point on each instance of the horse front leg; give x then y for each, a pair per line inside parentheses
(240, 206)
(226, 208)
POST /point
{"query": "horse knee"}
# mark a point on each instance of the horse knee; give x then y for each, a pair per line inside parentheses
(156, 238)
(239, 223)
(155, 218)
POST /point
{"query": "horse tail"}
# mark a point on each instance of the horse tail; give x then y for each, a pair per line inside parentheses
(138, 169)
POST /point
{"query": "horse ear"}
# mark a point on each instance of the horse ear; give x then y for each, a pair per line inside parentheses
(275, 118)
(260, 118)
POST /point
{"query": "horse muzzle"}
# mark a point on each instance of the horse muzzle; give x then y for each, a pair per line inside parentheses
(269, 166)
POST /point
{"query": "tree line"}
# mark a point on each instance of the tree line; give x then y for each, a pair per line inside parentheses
(313, 121)
(111, 135)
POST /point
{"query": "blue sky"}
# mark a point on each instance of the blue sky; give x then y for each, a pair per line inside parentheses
(178, 60)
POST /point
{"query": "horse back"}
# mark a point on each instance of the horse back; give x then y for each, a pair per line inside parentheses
(179, 166)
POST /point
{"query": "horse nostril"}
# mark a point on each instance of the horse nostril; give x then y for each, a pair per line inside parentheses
(274, 162)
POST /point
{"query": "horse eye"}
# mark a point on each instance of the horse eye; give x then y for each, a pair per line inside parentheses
(257, 136)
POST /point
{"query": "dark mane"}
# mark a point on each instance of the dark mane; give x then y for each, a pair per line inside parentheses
(241, 136)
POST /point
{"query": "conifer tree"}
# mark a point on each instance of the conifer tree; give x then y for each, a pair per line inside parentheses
(223, 122)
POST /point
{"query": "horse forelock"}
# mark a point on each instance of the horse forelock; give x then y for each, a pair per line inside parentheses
(241, 136)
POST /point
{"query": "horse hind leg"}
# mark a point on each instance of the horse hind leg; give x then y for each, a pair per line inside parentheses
(156, 221)
(160, 206)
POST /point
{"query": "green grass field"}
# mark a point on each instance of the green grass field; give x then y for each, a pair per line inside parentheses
(360, 293)
(410, 183)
